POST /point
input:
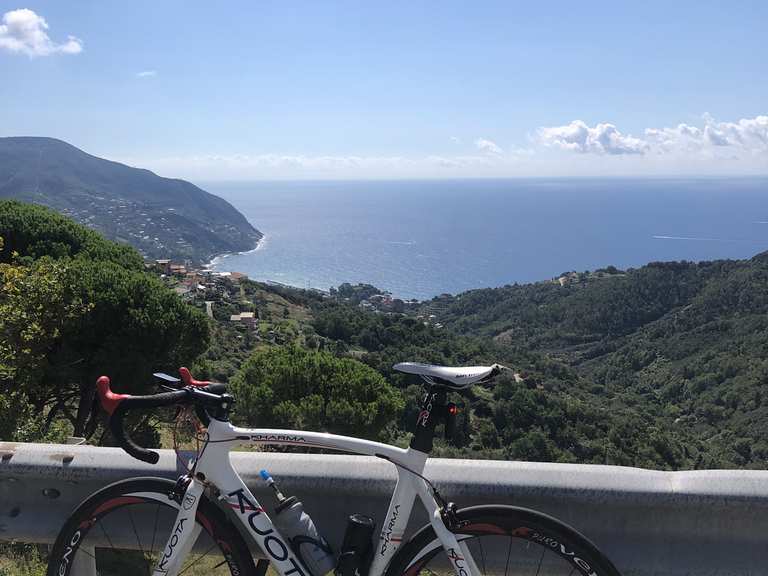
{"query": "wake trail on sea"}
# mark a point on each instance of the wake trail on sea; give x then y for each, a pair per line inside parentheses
(704, 239)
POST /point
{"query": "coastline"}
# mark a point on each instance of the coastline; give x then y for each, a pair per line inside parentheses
(218, 258)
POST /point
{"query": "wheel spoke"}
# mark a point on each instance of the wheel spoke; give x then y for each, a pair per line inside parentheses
(540, 561)
(198, 559)
(135, 532)
(509, 553)
(482, 554)
(154, 528)
(109, 540)
(84, 551)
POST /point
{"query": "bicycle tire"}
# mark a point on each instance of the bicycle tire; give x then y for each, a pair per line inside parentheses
(573, 552)
(123, 495)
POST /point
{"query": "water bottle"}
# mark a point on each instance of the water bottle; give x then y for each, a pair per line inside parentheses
(296, 525)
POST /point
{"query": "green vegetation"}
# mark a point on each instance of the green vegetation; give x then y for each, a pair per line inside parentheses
(356, 293)
(32, 232)
(550, 414)
(74, 306)
(291, 387)
(682, 345)
(21, 560)
(36, 302)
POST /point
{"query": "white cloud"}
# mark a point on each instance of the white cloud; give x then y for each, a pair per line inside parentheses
(146, 74)
(576, 149)
(682, 136)
(488, 146)
(455, 139)
(746, 136)
(24, 32)
(604, 138)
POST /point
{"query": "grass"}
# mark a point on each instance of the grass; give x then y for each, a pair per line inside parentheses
(25, 560)
(21, 560)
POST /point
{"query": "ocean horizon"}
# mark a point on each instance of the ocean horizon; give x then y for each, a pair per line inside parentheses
(421, 238)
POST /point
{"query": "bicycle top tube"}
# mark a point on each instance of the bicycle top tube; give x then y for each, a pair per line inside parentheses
(212, 402)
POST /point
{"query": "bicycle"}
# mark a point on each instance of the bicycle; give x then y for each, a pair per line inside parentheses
(207, 516)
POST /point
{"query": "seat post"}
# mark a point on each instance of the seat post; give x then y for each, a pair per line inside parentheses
(432, 409)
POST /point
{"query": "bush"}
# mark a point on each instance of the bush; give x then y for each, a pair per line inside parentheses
(290, 387)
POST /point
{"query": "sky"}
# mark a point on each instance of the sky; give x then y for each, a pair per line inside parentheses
(441, 89)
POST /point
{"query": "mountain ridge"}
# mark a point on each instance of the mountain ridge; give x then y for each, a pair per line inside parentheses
(161, 217)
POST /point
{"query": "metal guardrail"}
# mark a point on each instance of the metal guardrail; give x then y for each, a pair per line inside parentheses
(701, 523)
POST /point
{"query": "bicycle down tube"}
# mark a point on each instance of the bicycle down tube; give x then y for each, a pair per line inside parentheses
(214, 466)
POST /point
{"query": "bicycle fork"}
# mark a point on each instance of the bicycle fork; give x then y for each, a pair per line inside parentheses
(458, 552)
(184, 535)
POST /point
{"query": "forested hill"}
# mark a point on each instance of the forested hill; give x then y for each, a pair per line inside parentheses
(684, 342)
(162, 217)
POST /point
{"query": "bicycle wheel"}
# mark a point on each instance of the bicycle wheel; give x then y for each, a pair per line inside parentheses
(504, 540)
(122, 529)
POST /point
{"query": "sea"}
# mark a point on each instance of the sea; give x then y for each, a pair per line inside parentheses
(419, 239)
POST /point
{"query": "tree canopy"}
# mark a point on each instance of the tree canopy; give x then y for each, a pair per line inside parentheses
(74, 306)
(292, 387)
(31, 231)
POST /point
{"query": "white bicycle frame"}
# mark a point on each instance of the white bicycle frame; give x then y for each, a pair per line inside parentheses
(214, 466)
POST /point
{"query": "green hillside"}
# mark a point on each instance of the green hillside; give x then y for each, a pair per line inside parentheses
(683, 342)
(161, 217)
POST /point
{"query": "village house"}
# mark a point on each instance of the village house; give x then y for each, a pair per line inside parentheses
(245, 318)
(164, 266)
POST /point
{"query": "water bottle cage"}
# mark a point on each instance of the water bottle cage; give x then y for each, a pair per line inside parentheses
(297, 541)
(359, 568)
(357, 547)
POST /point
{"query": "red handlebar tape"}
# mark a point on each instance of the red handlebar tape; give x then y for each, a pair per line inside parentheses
(186, 377)
(109, 400)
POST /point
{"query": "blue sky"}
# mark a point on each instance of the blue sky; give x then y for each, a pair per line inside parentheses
(393, 89)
